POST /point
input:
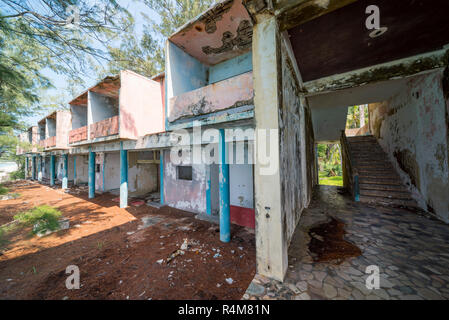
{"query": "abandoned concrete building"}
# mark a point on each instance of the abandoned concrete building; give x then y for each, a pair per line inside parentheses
(287, 68)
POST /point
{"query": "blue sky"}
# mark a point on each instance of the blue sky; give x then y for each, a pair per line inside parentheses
(136, 8)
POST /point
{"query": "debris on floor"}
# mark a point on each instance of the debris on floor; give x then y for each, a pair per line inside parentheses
(122, 252)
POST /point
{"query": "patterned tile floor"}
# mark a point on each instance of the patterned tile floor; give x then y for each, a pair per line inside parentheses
(411, 251)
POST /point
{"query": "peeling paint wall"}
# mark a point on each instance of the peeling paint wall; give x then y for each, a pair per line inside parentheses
(230, 93)
(142, 177)
(412, 128)
(293, 139)
(182, 194)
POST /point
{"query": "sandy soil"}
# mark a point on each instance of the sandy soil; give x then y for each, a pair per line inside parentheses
(119, 252)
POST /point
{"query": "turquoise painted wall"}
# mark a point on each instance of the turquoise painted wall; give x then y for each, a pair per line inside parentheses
(231, 68)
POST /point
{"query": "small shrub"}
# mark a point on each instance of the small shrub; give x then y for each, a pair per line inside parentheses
(43, 218)
(3, 190)
(17, 175)
(3, 241)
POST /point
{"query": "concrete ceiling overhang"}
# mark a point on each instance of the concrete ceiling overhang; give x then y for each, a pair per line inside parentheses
(339, 41)
(49, 116)
(80, 100)
(109, 86)
(221, 33)
(329, 110)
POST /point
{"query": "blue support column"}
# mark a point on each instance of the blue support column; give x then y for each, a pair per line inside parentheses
(52, 170)
(33, 171)
(39, 168)
(74, 170)
(225, 213)
(161, 175)
(91, 174)
(123, 177)
(208, 195)
(65, 177)
(26, 167)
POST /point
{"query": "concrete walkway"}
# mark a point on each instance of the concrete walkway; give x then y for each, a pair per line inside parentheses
(411, 251)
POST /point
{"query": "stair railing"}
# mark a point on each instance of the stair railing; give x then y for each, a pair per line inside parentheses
(350, 173)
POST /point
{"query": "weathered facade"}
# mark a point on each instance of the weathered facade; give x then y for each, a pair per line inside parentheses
(281, 74)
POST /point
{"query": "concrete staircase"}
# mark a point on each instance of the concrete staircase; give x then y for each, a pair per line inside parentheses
(379, 181)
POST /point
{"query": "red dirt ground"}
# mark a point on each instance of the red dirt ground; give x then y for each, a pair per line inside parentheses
(118, 258)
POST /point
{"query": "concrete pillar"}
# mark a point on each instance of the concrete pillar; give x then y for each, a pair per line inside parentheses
(225, 213)
(91, 174)
(39, 168)
(65, 177)
(271, 242)
(123, 177)
(52, 170)
(161, 175)
(74, 170)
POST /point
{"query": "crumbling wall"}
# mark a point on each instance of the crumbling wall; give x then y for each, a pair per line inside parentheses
(292, 132)
(142, 177)
(183, 194)
(82, 169)
(99, 169)
(59, 167)
(111, 169)
(45, 167)
(412, 128)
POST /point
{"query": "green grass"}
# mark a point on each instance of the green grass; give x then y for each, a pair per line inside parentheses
(331, 181)
(45, 218)
(3, 190)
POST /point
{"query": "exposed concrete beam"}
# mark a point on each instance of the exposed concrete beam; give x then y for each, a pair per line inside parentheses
(386, 71)
(291, 13)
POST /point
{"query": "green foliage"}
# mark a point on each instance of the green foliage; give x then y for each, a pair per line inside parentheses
(45, 218)
(331, 181)
(3, 240)
(329, 161)
(18, 175)
(355, 116)
(3, 190)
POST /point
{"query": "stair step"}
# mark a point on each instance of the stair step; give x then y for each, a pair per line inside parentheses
(375, 169)
(388, 194)
(382, 187)
(387, 201)
(361, 138)
(378, 175)
(380, 180)
(374, 165)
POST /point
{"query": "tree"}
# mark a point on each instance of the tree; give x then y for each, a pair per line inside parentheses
(58, 35)
(146, 55)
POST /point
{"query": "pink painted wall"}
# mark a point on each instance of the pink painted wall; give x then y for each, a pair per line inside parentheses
(63, 126)
(141, 108)
(215, 97)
